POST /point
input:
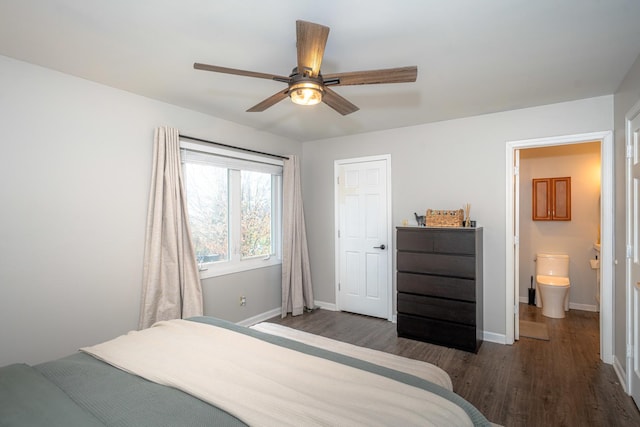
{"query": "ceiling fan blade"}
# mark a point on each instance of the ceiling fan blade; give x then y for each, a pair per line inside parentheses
(389, 75)
(226, 70)
(338, 103)
(311, 40)
(272, 100)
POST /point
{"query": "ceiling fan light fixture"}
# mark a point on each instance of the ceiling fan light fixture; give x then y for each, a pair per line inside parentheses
(306, 93)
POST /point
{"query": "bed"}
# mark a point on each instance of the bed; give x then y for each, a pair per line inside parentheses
(208, 372)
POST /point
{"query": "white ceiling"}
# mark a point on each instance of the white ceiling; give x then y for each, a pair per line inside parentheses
(473, 56)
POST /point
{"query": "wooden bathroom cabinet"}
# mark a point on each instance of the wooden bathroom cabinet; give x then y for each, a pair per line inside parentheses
(551, 199)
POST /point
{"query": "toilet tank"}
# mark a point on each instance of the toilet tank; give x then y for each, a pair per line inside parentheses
(552, 265)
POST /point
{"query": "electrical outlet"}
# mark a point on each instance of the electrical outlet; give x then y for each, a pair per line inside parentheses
(243, 300)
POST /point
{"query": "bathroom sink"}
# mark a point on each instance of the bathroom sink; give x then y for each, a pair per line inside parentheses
(595, 263)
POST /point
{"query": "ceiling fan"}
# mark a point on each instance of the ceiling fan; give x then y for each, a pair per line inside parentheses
(306, 85)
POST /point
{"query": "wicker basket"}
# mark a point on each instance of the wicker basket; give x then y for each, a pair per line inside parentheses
(444, 218)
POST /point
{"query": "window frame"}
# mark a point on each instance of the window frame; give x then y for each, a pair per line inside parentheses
(235, 263)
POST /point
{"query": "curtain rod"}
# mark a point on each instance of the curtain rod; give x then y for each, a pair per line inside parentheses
(235, 148)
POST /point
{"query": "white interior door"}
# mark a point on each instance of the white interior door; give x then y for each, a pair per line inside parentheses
(364, 238)
(633, 285)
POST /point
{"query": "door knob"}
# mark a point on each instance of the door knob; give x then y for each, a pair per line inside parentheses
(379, 247)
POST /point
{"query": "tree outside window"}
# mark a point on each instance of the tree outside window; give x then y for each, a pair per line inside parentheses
(235, 211)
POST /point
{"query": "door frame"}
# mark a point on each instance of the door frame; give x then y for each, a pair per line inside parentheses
(516, 240)
(336, 167)
(607, 230)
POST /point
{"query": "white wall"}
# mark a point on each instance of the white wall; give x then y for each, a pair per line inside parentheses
(442, 165)
(75, 164)
(575, 238)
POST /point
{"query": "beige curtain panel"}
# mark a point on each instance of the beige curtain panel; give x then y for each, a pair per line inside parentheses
(297, 290)
(171, 286)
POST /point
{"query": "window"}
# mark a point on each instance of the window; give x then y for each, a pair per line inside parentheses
(234, 201)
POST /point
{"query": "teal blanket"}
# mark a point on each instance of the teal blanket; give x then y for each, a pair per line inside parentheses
(27, 398)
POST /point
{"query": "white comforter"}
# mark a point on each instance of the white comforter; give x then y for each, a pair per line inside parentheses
(268, 385)
(418, 368)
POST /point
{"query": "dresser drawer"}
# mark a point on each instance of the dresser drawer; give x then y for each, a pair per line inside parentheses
(436, 240)
(439, 264)
(440, 332)
(437, 308)
(437, 286)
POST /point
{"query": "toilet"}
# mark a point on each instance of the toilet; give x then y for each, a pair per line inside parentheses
(552, 281)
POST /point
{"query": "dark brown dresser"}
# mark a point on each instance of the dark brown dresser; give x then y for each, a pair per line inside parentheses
(440, 285)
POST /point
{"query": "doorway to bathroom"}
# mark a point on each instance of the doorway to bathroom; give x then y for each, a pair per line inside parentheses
(591, 224)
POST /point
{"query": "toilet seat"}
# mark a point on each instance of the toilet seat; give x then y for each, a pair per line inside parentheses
(553, 280)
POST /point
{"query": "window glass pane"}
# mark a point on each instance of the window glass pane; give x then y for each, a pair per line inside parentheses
(208, 205)
(235, 210)
(255, 214)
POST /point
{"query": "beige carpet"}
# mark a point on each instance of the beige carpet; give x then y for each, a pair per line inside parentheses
(534, 330)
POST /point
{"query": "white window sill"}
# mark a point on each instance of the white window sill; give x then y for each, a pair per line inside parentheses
(222, 268)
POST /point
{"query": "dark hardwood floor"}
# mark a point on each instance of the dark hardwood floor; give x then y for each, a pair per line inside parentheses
(560, 382)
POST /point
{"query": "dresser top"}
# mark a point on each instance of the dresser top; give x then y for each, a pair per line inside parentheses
(416, 228)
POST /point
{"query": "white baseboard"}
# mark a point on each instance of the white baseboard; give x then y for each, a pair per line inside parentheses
(326, 305)
(572, 305)
(277, 311)
(260, 317)
(583, 307)
(493, 337)
(619, 370)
